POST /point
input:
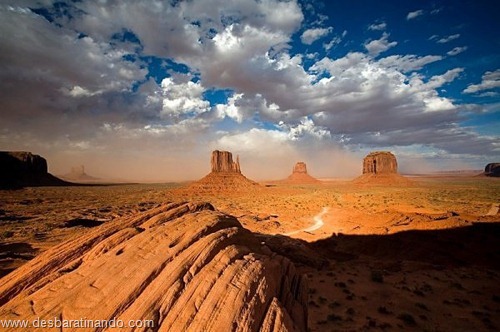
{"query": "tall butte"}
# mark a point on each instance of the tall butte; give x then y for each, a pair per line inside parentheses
(225, 175)
(300, 175)
(381, 167)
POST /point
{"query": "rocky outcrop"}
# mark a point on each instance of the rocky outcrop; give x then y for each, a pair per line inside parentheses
(22, 169)
(492, 169)
(222, 161)
(181, 266)
(225, 176)
(300, 175)
(381, 168)
(380, 162)
(77, 173)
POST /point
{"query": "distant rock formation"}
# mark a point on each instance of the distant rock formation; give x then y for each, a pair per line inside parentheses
(225, 175)
(184, 266)
(23, 169)
(380, 162)
(77, 173)
(492, 169)
(222, 161)
(299, 174)
(381, 167)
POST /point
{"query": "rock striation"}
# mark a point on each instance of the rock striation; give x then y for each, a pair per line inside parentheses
(492, 169)
(380, 162)
(225, 176)
(183, 266)
(23, 169)
(300, 175)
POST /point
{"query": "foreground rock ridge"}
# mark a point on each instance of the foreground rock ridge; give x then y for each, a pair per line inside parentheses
(23, 169)
(225, 176)
(184, 266)
(300, 175)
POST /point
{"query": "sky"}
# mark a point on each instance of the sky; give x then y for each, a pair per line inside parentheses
(145, 90)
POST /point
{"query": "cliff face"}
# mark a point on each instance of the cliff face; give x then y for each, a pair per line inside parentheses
(380, 162)
(492, 169)
(184, 266)
(20, 168)
(222, 161)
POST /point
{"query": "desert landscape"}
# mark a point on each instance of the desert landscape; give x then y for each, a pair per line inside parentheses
(379, 252)
(249, 165)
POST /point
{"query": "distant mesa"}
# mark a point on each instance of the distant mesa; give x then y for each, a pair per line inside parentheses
(300, 175)
(380, 162)
(78, 174)
(492, 169)
(381, 167)
(225, 175)
(23, 169)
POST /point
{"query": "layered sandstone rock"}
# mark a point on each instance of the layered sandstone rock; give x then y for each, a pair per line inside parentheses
(300, 175)
(184, 266)
(380, 162)
(381, 167)
(222, 161)
(225, 176)
(492, 169)
(20, 169)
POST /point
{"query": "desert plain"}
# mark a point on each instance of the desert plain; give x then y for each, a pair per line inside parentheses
(422, 255)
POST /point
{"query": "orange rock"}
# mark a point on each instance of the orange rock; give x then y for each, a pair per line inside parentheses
(184, 266)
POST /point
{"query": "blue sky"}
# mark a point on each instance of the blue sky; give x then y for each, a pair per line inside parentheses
(146, 89)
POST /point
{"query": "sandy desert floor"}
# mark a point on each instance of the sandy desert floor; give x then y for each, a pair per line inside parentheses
(423, 256)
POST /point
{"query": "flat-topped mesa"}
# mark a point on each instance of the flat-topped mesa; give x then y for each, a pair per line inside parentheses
(20, 168)
(380, 162)
(222, 161)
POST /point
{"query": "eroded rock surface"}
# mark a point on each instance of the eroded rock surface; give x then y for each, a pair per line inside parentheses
(380, 162)
(222, 161)
(184, 266)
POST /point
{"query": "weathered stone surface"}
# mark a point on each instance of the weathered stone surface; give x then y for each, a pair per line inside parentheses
(300, 175)
(380, 162)
(184, 266)
(20, 168)
(222, 161)
(492, 169)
